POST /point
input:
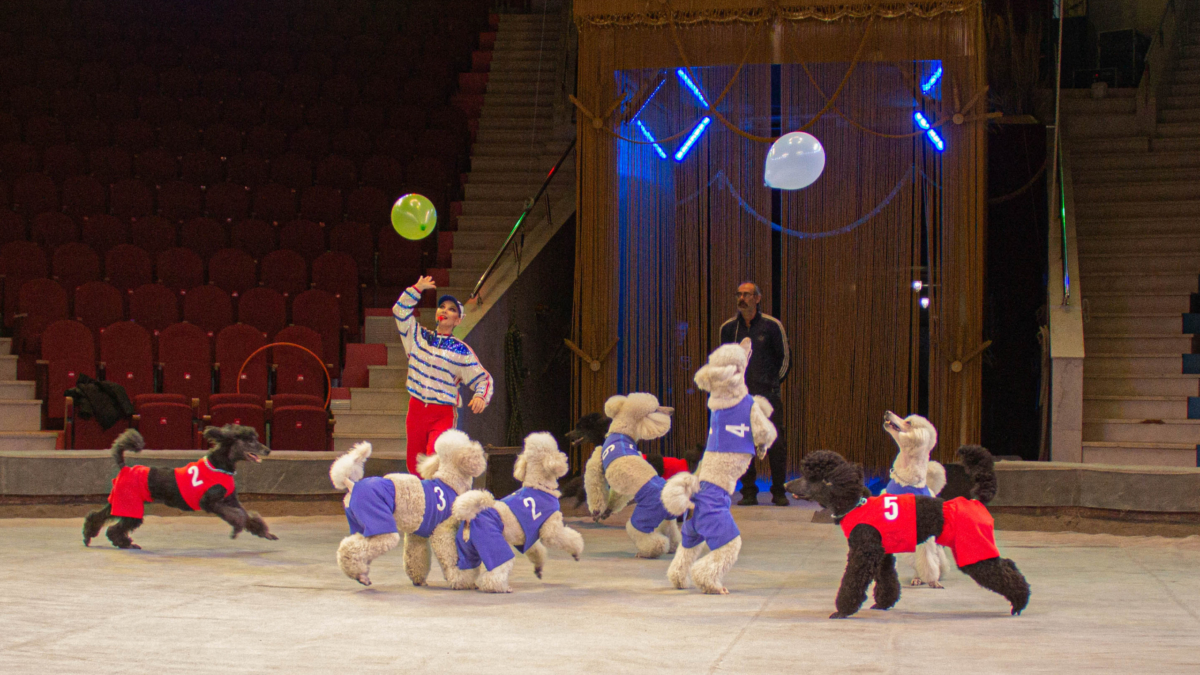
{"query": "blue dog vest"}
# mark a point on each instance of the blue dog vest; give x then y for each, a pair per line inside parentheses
(532, 507)
(482, 541)
(894, 488)
(711, 521)
(649, 512)
(729, 429)
(617, 445)
(439, 498)
(372, 507)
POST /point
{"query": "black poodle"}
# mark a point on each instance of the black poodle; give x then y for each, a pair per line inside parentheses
(877, 527)
(592, 428)
(204, 485)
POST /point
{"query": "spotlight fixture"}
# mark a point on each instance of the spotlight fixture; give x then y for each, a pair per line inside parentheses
(928, 85)
(925, 302)
(918, 285)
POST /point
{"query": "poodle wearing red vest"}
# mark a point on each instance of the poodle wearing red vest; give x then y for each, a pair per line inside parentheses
(878, 527)
(204, 485)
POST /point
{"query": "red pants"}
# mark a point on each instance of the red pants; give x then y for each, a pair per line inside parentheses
(424, 423)
(130, 492)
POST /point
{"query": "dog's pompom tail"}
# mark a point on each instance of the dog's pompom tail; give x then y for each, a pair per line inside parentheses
(472, 503)
(129, 441)
(678, 492)
(981, 467)
(935, 477)
(427, 466)
(348, 469)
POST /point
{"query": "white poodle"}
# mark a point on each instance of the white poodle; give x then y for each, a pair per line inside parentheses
(914, 474)
(525, 519)
(739, 427)
(379, 508)
(617, 473)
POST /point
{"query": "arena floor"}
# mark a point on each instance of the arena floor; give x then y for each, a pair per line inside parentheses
(195, 601)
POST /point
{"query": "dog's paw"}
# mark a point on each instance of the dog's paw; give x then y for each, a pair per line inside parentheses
(916, 581)
(363, 579)
(538, 572)
(934, 584)
(1016, 612)
(879, 607)
(234, 534)
(575, 556)
(130, 545)
(419, 584)
(87, 541)
(717, 591)
(838, 615)
(270, 537)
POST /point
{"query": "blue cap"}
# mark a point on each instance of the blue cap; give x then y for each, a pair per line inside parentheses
(454, 300)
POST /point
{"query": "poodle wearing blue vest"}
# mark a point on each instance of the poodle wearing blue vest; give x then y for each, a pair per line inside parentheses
(528, 519)
(617, 474)
(739, 427)
(379, 508)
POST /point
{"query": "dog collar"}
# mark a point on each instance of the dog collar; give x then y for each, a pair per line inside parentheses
(210, 466)
(861, 501)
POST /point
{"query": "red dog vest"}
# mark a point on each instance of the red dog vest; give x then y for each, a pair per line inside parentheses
(967, 529)
(131, 487)
(895, 516)
(196, 478)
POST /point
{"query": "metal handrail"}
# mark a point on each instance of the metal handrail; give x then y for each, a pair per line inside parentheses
(516, 229)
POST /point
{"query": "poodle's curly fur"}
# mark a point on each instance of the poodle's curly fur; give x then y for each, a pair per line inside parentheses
(724, 378)
(837, 485)
(229, 445)
(539, 466)
(640, 417)
(457, 461)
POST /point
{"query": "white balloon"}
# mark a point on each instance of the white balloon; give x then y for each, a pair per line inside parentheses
(795, 161)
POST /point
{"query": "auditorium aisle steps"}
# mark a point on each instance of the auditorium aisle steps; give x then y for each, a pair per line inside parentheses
(20, 409)
(1137, 206)
(515, 146)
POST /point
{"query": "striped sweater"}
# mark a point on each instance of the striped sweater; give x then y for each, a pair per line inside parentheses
(437, 364)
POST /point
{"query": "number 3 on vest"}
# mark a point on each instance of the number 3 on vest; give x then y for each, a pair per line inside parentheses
(891, 509)
(194, 472)
(528, 501)
(441, 498)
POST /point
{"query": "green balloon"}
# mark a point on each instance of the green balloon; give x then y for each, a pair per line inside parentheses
(414, 216)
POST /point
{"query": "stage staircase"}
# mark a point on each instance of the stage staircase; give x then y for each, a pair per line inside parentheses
(516, 144)
(1137, 205)
(20, 409)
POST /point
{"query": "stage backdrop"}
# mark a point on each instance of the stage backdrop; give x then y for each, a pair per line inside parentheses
(662, 243)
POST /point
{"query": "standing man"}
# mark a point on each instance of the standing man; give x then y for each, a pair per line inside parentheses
(769, 361)
(437, 363)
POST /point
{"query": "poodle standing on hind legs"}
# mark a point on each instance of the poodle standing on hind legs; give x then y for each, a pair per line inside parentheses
(379, 508)
(739, 427)
(617, 473)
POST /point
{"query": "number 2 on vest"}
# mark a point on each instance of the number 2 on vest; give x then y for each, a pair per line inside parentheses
(528, 501)
(441, 498)
(891, 508)
(194, 472)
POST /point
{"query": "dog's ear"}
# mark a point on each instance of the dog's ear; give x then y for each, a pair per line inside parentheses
(858, 471)
(217, 435)
(612, 407)
(519, 468)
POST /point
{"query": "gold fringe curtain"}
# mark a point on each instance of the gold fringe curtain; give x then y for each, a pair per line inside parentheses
(662, 245)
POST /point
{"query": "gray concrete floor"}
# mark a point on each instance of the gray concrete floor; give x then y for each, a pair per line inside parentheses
(195, 601)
